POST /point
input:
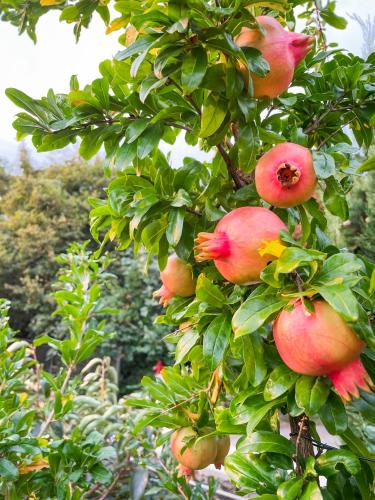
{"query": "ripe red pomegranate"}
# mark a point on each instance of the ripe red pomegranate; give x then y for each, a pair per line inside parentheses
(209, 450)
(235, 244)
(177, 279)
(321, 343)
(285, 175)
(282, 49)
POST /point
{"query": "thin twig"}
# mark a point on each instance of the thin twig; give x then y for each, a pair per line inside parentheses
(320, 25)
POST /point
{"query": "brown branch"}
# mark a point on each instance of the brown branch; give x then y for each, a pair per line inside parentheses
(300, 428)
(231, 168)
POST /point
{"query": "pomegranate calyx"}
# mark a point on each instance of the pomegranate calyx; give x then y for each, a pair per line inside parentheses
(350, 379)
(288, 175)
(164, 294)
(212, 246)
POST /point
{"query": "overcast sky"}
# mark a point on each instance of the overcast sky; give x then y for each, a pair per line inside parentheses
(50, 63)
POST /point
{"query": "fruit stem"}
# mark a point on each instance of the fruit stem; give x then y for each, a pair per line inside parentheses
(300, 428)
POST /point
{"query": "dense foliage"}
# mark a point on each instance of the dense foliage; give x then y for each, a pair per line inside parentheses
(42, 212)
(69, 435)
(182, 70)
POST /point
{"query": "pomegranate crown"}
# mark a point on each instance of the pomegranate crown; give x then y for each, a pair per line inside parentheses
(300, 45)
(212, 246)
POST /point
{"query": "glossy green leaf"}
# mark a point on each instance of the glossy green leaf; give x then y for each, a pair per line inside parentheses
(290, 489)
(194, 68)
(280, 381)
(326, 464)
(214, 112)
(341, 299)
(311, 491)
(311, 393)
(265, 441)
(333, 415)
(186, 343)
(254, 312)
(206, 291)
(216, 340)
(8, 470)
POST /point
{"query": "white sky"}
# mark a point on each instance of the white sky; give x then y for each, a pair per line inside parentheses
(50, 63)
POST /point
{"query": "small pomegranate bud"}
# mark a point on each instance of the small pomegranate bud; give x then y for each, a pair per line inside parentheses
(235, 245)
(285, 175)
(177, 279)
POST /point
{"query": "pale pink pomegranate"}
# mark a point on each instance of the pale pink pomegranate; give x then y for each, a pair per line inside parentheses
(321, 343)
(177, 279)
(235, 244)
(282, 49)
(285, 175)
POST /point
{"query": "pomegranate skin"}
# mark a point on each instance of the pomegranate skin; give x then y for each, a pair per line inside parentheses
(234, 246)
(321, 343)
(223, 446)
(199, 455)
(282, 49)
(177, 279)
(285, 175)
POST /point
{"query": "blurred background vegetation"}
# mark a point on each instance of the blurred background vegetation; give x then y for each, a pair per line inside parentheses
(41, 213)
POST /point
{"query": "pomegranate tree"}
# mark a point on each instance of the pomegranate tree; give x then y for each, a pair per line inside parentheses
(271, 320)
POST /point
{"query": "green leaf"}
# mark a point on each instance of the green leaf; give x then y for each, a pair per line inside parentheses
(291, 489)
(135, 129)
(338, 268)
(333, 19)
(148, 85)
(101, 474)
(311, 393)
(216, 340)
(280, 380)
(175, 225)
(8, 470)
(253, 357)
(247, 472)
(140, 45)
(248, 144)
(193, 69)
(311, 492)
(253, 411)
(185, 344)
(149, 140)
(206, 291)
(255, 61)
(333, 415)
(324, 164)
(214, 112)
(254, 312)
(326, 464)
(335, 200)
(341, 299)
(294, 257)
(265, 441)
(367, 165)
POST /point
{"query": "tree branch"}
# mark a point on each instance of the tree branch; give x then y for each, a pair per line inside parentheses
(231, 168)
(300, 428)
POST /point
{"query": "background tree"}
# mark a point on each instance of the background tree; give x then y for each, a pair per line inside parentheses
(182, 69)
(42, 213)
